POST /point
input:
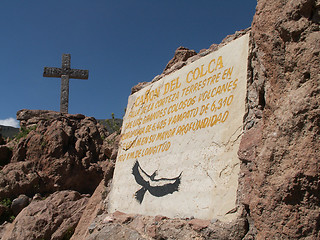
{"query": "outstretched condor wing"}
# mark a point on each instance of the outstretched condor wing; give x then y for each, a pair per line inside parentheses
(157, 187)
(167, 186)
(140, 176)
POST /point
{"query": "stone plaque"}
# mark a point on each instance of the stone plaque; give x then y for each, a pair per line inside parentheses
(180, 137)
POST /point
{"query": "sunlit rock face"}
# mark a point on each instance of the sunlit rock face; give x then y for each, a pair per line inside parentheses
(279, 180)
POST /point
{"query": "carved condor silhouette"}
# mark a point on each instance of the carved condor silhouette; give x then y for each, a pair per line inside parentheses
(156, 187)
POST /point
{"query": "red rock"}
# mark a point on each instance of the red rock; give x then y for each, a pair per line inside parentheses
(61, 151)
(279, 180)
(151, 231)
(139, 86)
(121, 217)
(138, 224)
(51, 218)
(247, 149)
(181, 55)
(199, 224)
(159, 218)
(91, 211)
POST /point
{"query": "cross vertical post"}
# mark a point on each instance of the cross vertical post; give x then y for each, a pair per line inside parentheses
(64, 97)
(65, 73)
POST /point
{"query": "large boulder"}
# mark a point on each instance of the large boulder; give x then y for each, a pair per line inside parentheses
(19, 203)
(55, 152)
(52, 218)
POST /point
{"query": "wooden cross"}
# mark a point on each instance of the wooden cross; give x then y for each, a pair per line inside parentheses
(65, 73)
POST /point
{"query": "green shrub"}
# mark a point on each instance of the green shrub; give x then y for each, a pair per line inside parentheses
(6, 202)
(7, 215)
(24, 132)
(113, 124)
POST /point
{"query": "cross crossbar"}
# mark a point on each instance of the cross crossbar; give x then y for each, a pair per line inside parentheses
(65, 73)
(58, 72)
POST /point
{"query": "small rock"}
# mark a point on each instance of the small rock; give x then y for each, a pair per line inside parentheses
(199, 224)
(91, 227)
(37, 196)
(213, 220)
(159, 218)
(19, 203)
(122, 217)
(181, 55)
(99, 212)
(107, 219)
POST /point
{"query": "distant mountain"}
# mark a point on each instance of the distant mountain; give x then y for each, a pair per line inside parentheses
(7, 131)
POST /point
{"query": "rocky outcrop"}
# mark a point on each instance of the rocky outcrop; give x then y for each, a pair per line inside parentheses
(55, 152)
(119, 225)
(95, 207)
(139, 86)
(280, 171)
(181, 55)
(52, 218)
(52, 152)
(111, 145)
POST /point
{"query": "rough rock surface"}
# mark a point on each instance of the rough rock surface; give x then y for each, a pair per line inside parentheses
(181, 55)
(110, 146)
(280, 149)
(53, 152)
(58, 152)
(119, 225)
(139, 86)
(3, 228)
(94, 207)
(52, 218)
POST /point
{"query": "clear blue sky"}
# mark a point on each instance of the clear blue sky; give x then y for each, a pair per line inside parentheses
(120, 42)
